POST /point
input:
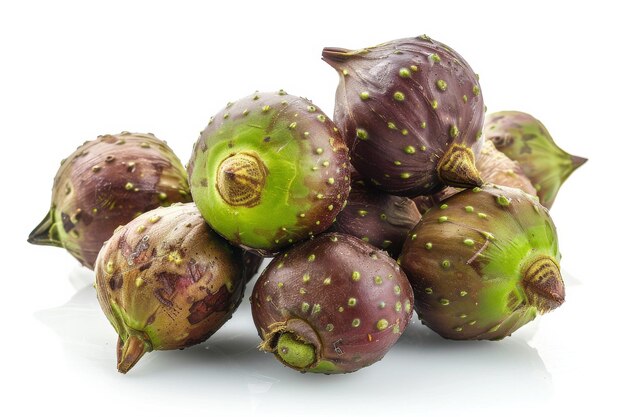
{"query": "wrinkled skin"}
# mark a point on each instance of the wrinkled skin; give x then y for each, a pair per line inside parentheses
(383, 220)
(526, 140)
(105, 183)
(483, 264)
(166, 281)
(494, 168)
(269, 170)
(340, 303)
(411, 111)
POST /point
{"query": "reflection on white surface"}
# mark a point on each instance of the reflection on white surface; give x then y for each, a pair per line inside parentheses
(422, 370)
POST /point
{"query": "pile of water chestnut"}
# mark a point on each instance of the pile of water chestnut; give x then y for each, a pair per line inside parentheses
(409, 198)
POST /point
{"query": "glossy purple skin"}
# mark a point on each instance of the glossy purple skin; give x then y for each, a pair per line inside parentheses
(401, 106)
(383, 220)
(348, 299)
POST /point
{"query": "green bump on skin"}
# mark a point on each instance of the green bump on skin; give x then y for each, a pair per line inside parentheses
(488, 235)
(442, 85)
(295, 353)
(356, 323)
(382, 324)
(464, 98)
(398, 306)
(423, 125)
(409, 150)
(503, 200)
(482, 215)
(325, 367)
(391, 125)
(351, 302)
(454, 131)
(405, 175)
(428, 290)
(443, 206)
(444, 301)
(361, 134)
(311, 257)
(476, 90)
(305, 307)
(428, 246)
(434, 104)
(443, 219)
(468, 242)
(364, 95)
(398, 96)
(435, 58)
(477, 189)
(469, 209)
(378, 280)
(445, 264)
(404, 73)
(362, 212)
(356, 275)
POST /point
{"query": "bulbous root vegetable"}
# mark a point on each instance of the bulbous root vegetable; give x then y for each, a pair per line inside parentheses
(268, 171)
(526, 140)
(483, 264)
(166, 281)
(105, 183)
(411, 111)
(333, 304)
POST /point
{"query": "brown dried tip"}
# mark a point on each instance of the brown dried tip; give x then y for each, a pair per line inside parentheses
(543, 285)
(129, 352)
(457, 168)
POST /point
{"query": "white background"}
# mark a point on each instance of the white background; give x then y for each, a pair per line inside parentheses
(70, 71)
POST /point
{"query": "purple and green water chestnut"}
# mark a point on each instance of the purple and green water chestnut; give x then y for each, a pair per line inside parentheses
(483, 263)
(411, 111)
(334, 304)
(526, 140)
(166, 281)
(104, 184)
(269, 170)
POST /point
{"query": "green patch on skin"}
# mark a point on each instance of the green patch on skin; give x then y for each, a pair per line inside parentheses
(295, 353)
(502, 265)
(125, 326)
(285, 194)
(325, 367)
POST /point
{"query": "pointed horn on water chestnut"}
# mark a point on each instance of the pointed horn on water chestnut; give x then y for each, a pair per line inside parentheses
(130, 351)
(45, 233)
(543, 284)
(457, 168)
